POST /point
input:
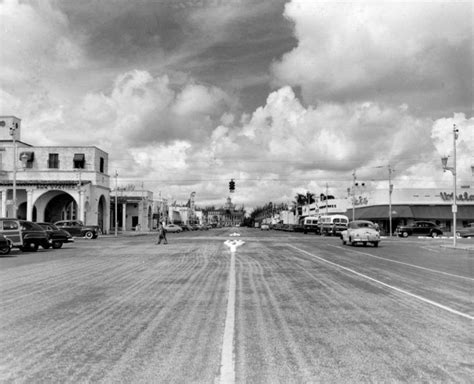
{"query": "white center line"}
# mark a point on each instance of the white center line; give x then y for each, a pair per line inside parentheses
(387, 285)
(227, 357)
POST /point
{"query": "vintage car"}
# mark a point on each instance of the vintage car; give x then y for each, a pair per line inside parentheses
(173, 228)
(419, 228)
(361, 231)
(23, 234)
(57, 236)
(466, 231)
(78, 229)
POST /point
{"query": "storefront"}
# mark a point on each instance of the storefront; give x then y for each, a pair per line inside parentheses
(408, 205)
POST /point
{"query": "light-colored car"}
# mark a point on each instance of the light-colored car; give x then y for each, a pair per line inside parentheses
(264, 227)
(173, 228)
(466, 231)
(361, 231)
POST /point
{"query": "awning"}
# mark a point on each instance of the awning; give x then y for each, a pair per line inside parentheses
(27, 156)
(381, 212)
(79, 157)
(437, 212)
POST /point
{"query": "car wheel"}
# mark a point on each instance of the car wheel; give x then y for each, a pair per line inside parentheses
(5, 250)
(376, 244)
(405, 234)
(434, 234)
(458, 234)
(88, 235)
(352, 242)
(57, 244)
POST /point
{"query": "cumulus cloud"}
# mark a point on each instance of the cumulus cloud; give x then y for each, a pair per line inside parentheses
(398, 52)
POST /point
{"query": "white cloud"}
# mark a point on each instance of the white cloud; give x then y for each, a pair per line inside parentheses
(392, 51)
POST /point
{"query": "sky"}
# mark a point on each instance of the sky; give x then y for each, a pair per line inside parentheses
(284, 97)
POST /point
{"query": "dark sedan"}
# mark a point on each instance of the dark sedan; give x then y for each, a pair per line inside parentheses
(78, 229)
(419, 228)
(57, 236)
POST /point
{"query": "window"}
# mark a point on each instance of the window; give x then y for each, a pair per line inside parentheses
(27, 159)
(102, 164)
(53, 161)
(79, 160)
(7, 224)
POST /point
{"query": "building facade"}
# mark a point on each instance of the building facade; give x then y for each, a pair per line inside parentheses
(408, 205)
(51, 183)
(135, 209)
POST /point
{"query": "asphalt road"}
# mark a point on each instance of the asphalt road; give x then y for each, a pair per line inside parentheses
(282, 308)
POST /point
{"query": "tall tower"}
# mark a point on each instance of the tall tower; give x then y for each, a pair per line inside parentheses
(10, 125)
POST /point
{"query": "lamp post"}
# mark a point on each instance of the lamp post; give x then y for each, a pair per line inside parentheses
(13, 135)
(444, 162)
(116, 204)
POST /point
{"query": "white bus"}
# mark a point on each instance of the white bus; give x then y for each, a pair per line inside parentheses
(310, 224)
(333, 224)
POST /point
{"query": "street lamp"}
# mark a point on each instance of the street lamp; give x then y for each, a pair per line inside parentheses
(13, 129)
(444, 162)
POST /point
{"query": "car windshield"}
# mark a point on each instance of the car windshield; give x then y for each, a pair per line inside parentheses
(363, 224)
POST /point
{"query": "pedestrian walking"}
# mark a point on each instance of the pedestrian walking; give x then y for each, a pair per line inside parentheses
(161, 234)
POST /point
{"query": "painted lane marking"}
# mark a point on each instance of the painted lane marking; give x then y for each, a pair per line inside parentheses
(233, 244)
(407, 264)
(438, 305)
(227, 373)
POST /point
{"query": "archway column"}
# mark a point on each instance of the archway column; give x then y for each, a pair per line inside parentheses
(4, 203)
(124, 217)
(29, 204)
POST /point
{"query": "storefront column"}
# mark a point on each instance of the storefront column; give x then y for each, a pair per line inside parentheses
(29, 204)
(81, 205)
(124, 217)
(4, 203)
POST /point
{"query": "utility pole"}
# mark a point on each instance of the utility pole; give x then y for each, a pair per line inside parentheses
(354, 178)
(13, 133)
(390, 190)
(116, 204)
(326, 199)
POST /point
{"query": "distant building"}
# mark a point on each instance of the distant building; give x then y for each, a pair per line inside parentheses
(52, 183)
(226, 216)
(135, 208)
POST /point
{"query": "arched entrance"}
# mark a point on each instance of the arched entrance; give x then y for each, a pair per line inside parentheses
(55, 205)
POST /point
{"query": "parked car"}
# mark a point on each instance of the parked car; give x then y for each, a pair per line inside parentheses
(5, 245)
(466, 231)
(361, 231)
(23, 234)
(264, 227)
(78, 229)
(57, 236)
(173, 228)
(419, 228)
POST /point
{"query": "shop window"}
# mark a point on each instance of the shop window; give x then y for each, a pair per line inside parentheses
(79, 161)
(53, 161)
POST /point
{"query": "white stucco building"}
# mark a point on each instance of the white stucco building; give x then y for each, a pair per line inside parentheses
(51, 183)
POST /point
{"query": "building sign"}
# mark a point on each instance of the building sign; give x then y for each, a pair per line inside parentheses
(361, 201)
(461, 197)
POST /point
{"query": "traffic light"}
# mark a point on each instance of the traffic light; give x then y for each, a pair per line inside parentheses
(231, 185)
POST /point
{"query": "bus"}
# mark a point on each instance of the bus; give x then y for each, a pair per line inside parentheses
(333, 225)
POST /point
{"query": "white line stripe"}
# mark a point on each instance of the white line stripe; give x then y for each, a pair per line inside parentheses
(227, 358)
(401, 262)
(387, 285)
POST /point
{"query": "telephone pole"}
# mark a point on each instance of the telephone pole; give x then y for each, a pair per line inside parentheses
(116, 204)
